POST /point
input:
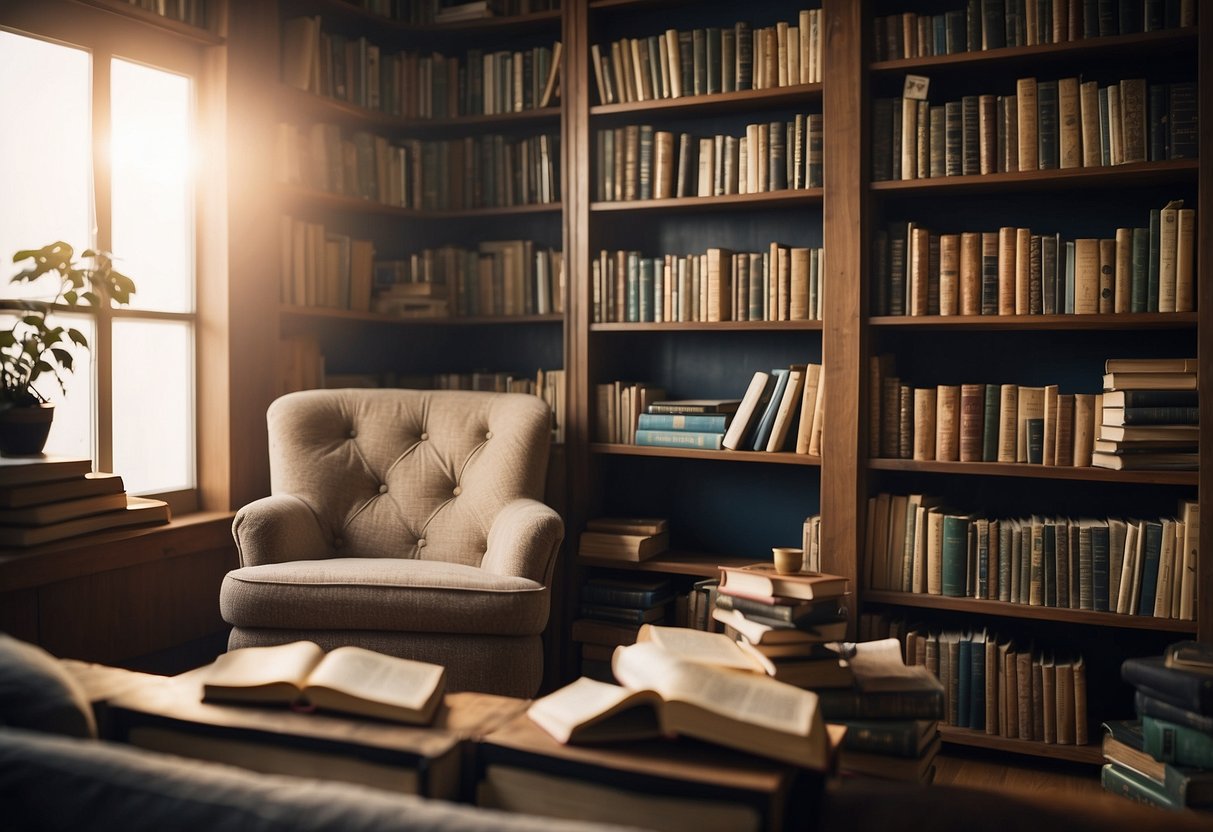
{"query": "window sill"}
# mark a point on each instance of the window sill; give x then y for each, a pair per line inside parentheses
(106, 551)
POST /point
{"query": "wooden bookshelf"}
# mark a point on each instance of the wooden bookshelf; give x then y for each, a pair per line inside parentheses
(721, 102)
(1043, 472)
(511, 24)
(1108, 176)
(774, 199)
(698, 564)
(1006, 609)
(322, 200)
(1061, 323)
(706, 326)
(207, 36)
(1091, 753)
(768, 458)
(296, 103)
(321, 313)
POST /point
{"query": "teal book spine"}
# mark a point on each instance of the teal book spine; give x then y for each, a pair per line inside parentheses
(763, 431)
(645, 290)
(1149, 567)
(1005, 538)
(1069, 277)
(1140, 271)
(989, 425)
(1128, 783)
(955, 555)
(702, 423)
(680, 439)
(632, 297)
(1176, 744)
(977, 686)
(964, 670)
(1155, 232)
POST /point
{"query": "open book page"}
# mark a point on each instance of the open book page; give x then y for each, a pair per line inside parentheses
(268, 673)
(375, 677)
(699, 646)
(573, 712)
(878, 666)
(746, 697)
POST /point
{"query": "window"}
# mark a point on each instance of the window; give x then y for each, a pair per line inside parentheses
(99, 152)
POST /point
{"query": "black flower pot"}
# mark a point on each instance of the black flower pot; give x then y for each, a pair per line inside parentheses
(23, 430)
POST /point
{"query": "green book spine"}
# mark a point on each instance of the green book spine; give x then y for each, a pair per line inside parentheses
(633, 287)
(989, 434)
(1130, 784)
(712, 57)
(646, 161)
(1140, 274)
(1149, 567)
(1177, 744)
(1155, 232)
(977, 686)
(680, 439)
(955, 555)
(648, 270)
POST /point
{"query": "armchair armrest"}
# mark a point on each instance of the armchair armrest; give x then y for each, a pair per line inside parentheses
(523, 541)
(278, 529)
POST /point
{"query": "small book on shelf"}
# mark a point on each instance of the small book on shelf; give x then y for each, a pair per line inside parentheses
(348, 679)
(626, 547)
(761, 579)
(628, 525)
(695, 406)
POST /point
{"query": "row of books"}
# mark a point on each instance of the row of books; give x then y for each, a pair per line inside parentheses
(994, 24)
(45, 498)
(711, 60)
(321, 267)
(1002, 687)
(450, 11)
(549, 385)
(497, 277)
(637, 163)
(1045, 125)
(417, 85)
(486, 171)
(1164, 757)
(781, 284)
(1014, 271)
(192, 12)
(915, 543)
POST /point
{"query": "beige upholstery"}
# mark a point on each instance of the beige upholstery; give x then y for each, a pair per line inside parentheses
(404, 521)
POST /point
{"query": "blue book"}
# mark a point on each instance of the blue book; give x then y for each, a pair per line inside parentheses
(1100, 541)
(703, 423)
(1149, 566)
(964, 670)
(763, 432)
(977, 682)
(698, 440)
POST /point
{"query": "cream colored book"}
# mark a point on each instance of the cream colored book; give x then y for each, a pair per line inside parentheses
(1023, 270)
(1049, 441)
(1006, 270)
(1168, 247)
(1166, 571)
(925, 404)
(1008, 415)
(947, 423)
(671, 39)
(661, 693)
(1086, 276)
(1030, 405)
(949, 274)
(808, 406)
(1190, 514)
(1084, 429)
(1123, 279)
(1185, 261)
(815, 438)
(348, 679)
(1025, 98)
(1088, 105)
(970, 273)
(1069, 122)
(755, 397)
(700, 647)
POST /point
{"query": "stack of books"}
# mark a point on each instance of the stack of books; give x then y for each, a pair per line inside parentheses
(1150, 415)
(785, 620)
(630, 539)
(892, 714)
(689, 423)
(1165, 757)
(633, 600)
(47, 498)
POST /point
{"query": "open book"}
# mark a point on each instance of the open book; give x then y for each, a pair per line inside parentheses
(348, 679)
(663, 694)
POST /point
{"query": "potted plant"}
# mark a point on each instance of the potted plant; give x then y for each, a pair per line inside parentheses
(32, 352)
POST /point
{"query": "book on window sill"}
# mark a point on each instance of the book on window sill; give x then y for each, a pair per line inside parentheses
(54, 491)
(759, 579)
(136, 511)
(45, 514)
(37, 468)
(348, 679)
(661, 694)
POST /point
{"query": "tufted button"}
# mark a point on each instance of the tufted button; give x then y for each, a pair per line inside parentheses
(421, 543)
(353, 433)
(338, 543)
(457, 491)
(488, 435)
(425, 436)
(383, 488)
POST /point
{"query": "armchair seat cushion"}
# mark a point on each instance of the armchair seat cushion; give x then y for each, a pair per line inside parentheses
(383, 594)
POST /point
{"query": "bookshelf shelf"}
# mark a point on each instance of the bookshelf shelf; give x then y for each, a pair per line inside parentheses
(296, 103)
(1006, 609)
(782, 458)
(181, 29)
(804, 196)
(792, 96)
(708, 326)
(1119, 176)
(534, 21)
(672, 562)
(1090, 753)
(326, 313)
(353, 204)
(1046, 472)
(1168, 40)
(1139, 320)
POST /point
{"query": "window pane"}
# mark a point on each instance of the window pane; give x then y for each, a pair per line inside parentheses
(152, 168)
(154, 405)
(45, 152)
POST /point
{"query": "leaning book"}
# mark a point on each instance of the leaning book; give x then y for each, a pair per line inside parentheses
(662, 694)
(348, 679)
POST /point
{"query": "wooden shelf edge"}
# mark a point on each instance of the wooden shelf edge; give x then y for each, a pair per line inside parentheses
(1104, 175)
(779, 458)
(1090, 753)
(739, 99)
(323, 106)
(805, 196)
(522, 21)
(1129, 320)
(673, 562)
(1005, 609)
(706, 326)
(375, 317)
(169, 25)
(1043, 472)
(341, 202)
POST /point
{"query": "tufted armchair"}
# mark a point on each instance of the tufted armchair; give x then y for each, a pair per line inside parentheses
(406, 522)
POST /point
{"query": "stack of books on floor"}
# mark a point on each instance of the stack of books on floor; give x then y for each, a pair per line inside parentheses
(892, 714)
(628, 539)
(1165, 757)
(47, 498)
(785, 620)
(1150, 415)
(686, 423)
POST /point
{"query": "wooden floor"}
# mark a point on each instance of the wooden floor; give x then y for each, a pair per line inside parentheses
(979, 769)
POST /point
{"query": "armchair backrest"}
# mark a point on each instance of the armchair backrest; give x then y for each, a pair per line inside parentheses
(408, 473)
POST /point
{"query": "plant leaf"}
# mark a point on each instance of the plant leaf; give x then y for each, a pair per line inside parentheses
(63, 357)
(77, 337)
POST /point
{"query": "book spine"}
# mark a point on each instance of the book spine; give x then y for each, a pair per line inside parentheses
(679, 439)
(892, 738)
(1178, 745)
(705, 423)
